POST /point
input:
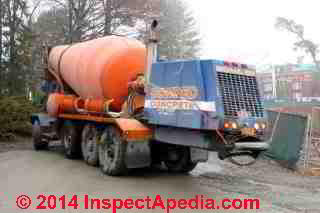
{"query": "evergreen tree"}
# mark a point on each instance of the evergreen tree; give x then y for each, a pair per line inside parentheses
(179, 38)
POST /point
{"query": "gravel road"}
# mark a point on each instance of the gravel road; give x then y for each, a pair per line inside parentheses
(24, 171)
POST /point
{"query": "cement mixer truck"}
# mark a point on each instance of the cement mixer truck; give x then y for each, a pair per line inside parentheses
(119, 108)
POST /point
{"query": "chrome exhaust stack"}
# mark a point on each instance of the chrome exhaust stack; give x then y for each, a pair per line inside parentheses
(152, 48)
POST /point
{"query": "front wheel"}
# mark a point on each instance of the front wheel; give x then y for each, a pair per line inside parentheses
(112, 152)
(179, 160)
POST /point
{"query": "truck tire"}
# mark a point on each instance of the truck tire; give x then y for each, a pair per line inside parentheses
(71, 140)
(112, 153)
(181, 163)
(89, 145)
(38, 143)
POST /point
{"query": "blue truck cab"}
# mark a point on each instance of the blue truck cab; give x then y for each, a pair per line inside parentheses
(210, 104)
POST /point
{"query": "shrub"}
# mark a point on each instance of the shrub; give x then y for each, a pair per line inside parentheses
(15, 115)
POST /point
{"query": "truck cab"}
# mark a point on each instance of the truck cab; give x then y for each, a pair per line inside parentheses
(209, 104)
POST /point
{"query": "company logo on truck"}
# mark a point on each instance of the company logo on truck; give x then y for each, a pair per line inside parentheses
(177, 98)
(188, 93)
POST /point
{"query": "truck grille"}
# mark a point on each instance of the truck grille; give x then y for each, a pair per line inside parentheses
(240, 93)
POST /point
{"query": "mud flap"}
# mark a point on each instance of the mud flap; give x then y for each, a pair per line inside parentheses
(137, 135)
(138, 155)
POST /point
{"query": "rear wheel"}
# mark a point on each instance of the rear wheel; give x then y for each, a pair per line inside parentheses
(179, 160)
(71, 137)
(89, 145)
(38, 141)
(112, 152)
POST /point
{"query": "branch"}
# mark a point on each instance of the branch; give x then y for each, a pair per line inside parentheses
(33, 11)
(304, 44)
(59, 3)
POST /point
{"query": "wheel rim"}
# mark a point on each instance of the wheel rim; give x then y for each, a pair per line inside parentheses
(67, 140)
(108, 150)
(179, 160)
(36, 132)
(175, 157)
(89, 143)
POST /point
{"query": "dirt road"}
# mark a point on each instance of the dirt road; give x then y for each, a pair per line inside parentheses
(33, 173)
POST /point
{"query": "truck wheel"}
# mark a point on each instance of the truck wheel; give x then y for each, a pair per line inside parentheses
(178, 160)
(112, 153)
(89, 146)
(38, 143)
(71, 138)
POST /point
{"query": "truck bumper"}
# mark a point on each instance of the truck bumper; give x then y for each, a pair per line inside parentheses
(252, 149)
(252, 146)
(204, 140)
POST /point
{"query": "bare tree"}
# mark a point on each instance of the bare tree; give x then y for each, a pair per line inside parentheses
(126, 12)
(69, 21)
(13, 22)
(78, 20)
(302, 43)
(80, 17)
(16, 39)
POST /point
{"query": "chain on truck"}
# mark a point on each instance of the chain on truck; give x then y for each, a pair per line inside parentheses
(113, 103)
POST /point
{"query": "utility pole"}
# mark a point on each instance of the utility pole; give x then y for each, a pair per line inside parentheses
(274, 81)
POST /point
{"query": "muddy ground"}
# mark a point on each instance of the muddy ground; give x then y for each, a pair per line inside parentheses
(24, 171)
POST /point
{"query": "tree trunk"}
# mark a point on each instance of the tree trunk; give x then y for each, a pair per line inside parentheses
(1, 14)
(12, 45)
(107, 18)
(70, 21)
(316, 62)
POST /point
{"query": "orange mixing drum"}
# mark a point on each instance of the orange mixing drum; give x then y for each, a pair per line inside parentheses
(100, 68)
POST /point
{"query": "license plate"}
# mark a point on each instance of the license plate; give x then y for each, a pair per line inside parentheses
(248, 131)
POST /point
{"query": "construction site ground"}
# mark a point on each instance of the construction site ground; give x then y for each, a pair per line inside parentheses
(27, 172)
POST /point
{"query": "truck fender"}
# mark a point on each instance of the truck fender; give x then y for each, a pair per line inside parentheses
(133, 130)
(137, 136)
(43, 119)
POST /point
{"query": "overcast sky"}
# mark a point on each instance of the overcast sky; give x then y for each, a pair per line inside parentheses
(243, 30)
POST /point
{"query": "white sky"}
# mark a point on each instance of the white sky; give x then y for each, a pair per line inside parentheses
(243, 30)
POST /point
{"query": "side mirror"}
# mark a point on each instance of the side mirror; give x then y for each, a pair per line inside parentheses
(154, 25)
(153, 33)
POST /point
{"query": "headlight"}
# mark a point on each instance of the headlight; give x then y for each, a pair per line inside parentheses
(230, 125)
(234, 125)
(256, 126)
(263, 126)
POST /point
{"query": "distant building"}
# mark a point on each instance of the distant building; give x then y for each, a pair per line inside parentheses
(293, 82)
